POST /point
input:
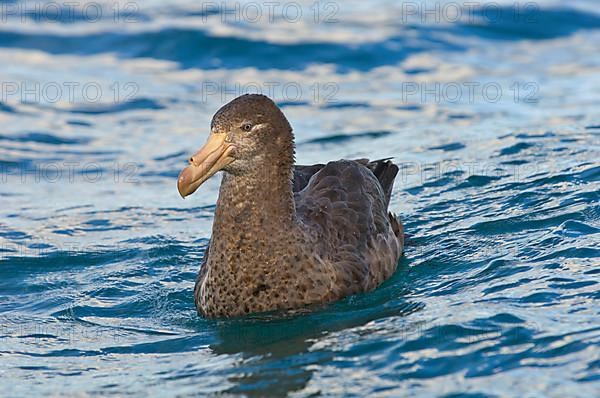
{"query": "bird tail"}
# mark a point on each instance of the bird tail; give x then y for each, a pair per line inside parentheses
(386, 172)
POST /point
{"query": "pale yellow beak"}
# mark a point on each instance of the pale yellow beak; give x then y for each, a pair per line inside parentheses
(212, 157)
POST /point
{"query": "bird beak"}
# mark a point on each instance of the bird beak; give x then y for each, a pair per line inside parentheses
(212, 157)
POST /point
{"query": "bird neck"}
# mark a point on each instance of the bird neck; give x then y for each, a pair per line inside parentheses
(256, 201)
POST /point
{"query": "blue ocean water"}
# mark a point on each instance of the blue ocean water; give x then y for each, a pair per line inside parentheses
(492, 112)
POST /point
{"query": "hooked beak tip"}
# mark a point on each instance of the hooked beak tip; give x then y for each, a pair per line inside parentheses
(184, 181)
(212, 157)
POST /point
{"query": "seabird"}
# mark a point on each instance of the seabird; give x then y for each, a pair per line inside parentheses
(287, 236)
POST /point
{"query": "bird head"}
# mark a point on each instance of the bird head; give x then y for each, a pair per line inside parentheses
(245, 133)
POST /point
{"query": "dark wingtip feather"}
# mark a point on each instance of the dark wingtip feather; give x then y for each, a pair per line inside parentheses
(386, 172)
(398, 228)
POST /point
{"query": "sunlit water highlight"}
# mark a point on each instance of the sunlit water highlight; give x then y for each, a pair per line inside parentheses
(499, 191)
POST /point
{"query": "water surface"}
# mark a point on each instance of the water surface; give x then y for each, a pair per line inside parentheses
(499, 191)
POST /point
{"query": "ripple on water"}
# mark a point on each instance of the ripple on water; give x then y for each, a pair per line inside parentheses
(498, 291)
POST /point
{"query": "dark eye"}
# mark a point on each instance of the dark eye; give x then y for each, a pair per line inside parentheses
(246, 127)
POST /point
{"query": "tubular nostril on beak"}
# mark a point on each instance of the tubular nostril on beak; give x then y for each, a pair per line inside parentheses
(192, 160)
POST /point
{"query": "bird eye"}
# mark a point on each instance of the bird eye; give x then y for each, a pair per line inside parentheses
(246, 127)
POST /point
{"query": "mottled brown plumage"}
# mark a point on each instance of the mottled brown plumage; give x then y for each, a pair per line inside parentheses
(288, 236)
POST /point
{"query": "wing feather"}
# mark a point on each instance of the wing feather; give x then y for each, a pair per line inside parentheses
(345, 204)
